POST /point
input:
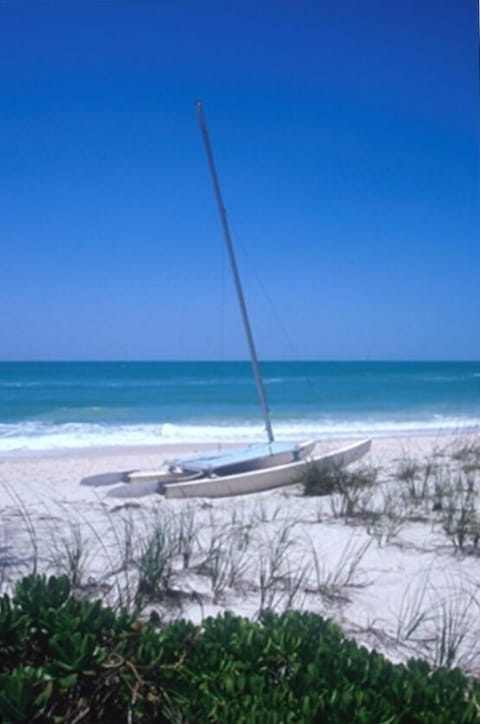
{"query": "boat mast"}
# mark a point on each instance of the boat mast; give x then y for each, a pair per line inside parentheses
(236, 277)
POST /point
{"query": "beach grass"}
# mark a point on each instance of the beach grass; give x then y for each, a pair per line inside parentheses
(388, 549)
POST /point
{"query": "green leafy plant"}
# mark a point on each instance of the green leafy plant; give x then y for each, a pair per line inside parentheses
(96, 666)
(24, 695)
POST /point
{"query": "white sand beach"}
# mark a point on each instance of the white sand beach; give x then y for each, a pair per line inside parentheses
(395, 562)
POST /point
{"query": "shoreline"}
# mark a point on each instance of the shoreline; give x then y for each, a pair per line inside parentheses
(177, 449)
(51, 475)
(57, 473)
(99, 451)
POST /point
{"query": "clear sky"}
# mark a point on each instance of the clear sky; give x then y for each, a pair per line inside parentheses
(346, 135)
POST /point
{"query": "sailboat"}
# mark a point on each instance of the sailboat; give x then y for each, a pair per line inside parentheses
(258, 467)
(245, 470)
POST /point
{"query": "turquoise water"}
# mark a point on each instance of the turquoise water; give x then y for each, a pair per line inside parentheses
(62, 405)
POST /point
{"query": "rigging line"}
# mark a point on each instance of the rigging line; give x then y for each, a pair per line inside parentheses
(253, 268)
(251, 265)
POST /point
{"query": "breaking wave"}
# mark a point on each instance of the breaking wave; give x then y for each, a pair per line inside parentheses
(38, 436)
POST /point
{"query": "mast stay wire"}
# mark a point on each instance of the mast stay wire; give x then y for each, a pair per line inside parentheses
(251, 265)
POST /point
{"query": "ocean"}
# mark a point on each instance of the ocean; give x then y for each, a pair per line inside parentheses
(57, 405)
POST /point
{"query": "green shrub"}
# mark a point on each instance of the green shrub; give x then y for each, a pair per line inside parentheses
(62, 660)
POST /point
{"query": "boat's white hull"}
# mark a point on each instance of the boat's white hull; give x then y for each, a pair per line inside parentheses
(256, 481)
(185, 473)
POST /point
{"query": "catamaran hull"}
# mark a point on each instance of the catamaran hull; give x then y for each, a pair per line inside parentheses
(256, 481)
(223, 465)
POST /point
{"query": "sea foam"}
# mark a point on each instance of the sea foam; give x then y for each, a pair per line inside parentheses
(38, 436)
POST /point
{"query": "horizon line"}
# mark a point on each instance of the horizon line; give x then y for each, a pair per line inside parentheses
(379, 360)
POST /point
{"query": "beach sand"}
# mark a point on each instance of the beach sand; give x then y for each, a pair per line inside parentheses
(391, 572)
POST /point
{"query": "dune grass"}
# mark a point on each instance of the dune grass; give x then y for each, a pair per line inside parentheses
(274, 553)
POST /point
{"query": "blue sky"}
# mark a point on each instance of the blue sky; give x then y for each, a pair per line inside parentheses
(346, 136)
